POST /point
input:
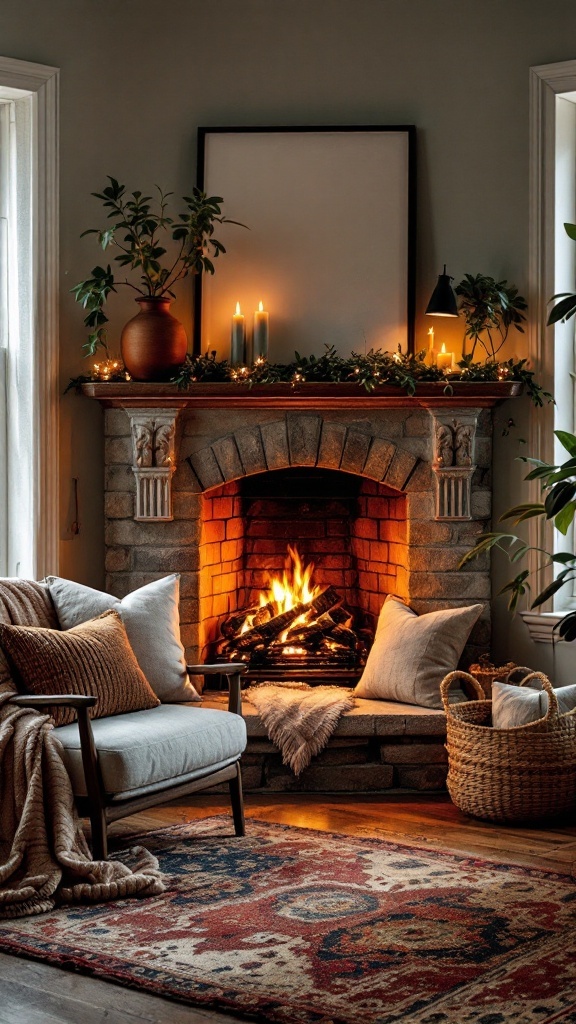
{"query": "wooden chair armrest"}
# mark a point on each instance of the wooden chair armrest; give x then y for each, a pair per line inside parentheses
(81, 704)
(227, 668)
(69, 700)
(234, 670)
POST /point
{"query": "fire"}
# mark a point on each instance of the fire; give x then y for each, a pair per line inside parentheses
(294, 623)
(293, 588)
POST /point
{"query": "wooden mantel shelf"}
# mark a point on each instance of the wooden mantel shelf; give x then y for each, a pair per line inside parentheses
(302, 396)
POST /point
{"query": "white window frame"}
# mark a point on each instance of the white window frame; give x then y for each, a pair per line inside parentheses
(551, 269)
(42, 84)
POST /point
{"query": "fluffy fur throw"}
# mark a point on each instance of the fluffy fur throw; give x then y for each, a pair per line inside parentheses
(44, 857)
(300, 719)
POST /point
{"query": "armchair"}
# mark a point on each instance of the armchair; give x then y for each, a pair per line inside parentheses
(126, 763)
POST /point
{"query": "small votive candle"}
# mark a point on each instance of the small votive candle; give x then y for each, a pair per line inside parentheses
(444, 359)
(260, 336)
(238, 338)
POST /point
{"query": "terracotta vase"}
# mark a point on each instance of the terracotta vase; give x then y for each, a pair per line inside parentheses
(153, 343)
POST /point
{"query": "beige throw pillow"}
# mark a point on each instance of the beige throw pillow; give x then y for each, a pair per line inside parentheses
(519, 705)
(152, 621)
(412, 653)
(93, 659)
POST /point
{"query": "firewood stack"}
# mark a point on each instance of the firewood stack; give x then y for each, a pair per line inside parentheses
(315, 634)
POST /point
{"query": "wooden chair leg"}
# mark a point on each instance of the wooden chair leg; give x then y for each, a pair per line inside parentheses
(237, 800)
(99, 834)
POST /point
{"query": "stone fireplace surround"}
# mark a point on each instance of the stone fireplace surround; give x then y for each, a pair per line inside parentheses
(404, 538)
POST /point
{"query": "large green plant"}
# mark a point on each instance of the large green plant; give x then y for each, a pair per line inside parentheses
(490, 308)
(558, 505)
(140, 232)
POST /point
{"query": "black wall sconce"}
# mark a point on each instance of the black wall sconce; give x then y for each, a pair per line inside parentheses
(443, 300)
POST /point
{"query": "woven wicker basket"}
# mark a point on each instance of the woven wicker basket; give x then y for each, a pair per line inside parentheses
(509, 775)
(486, 673)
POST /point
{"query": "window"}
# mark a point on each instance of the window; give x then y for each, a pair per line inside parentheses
(28, 319)
(552, 259)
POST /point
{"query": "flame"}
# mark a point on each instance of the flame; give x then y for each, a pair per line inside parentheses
(293, 588)
(443, 349)
(260, 306)
(238, 311)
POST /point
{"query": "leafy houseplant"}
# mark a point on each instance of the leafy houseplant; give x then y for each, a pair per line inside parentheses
(490, 309)
(159, 251)
(559, 505)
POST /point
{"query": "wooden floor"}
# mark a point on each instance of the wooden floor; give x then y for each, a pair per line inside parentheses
(33, 993)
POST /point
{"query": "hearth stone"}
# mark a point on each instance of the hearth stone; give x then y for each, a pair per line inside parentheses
(379, 746)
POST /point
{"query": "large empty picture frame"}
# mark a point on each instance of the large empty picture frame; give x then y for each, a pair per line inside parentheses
(330, 246)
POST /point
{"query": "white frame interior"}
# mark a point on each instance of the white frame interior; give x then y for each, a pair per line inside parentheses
(42, 83)
(292, 187)
(548, 82)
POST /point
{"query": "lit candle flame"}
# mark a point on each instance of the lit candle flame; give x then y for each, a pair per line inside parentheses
(238, 312)
(443, 349)
(260, 306)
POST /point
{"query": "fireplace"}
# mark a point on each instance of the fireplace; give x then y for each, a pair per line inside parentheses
(365, 488)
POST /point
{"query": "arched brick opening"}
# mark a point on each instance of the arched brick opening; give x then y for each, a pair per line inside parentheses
(353, 529)
(300, 439)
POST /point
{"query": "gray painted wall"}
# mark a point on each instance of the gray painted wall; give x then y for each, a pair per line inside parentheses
(137, 78)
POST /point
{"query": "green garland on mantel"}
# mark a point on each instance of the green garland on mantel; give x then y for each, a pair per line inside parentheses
(376, 367)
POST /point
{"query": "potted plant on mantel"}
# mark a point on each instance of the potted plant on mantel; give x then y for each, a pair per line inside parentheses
(153, 343)
(490, 308)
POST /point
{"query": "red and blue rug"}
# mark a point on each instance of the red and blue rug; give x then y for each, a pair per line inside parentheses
(300, 927)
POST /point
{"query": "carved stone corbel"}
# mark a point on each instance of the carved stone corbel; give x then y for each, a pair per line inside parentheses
(153, 461)
(454, 438)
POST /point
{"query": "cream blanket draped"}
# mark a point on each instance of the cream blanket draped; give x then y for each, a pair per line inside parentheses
(300, 719)
(44, 857)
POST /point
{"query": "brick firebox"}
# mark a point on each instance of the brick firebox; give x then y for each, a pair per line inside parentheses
(413, 518)
(352, 529)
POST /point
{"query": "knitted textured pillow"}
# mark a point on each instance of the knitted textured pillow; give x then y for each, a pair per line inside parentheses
(94, 658)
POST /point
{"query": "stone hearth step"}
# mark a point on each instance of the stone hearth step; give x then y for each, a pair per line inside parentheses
(378, 746)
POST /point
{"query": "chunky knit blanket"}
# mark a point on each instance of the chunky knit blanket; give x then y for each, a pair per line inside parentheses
(300, 719)
(44, 857)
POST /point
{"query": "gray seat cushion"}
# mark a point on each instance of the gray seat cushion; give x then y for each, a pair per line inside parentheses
(145, 751)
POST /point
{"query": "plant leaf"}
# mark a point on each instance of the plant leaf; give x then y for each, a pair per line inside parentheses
(568, 441)
(565, 518)
(560, 495)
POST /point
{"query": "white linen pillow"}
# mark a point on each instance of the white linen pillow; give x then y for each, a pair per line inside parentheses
(519, 705)
(412, 653)
(150, 615)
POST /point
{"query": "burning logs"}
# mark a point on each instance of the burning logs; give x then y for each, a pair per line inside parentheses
(278, 623)
(295, 626)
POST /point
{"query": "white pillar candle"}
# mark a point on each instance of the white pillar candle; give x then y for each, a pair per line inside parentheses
(444, 359)
(238, 338)
(260, 338)
(430, 357)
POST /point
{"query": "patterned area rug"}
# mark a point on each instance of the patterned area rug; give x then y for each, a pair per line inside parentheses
(292, 925)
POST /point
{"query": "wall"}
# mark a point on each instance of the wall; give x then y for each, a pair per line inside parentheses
(138, 79)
